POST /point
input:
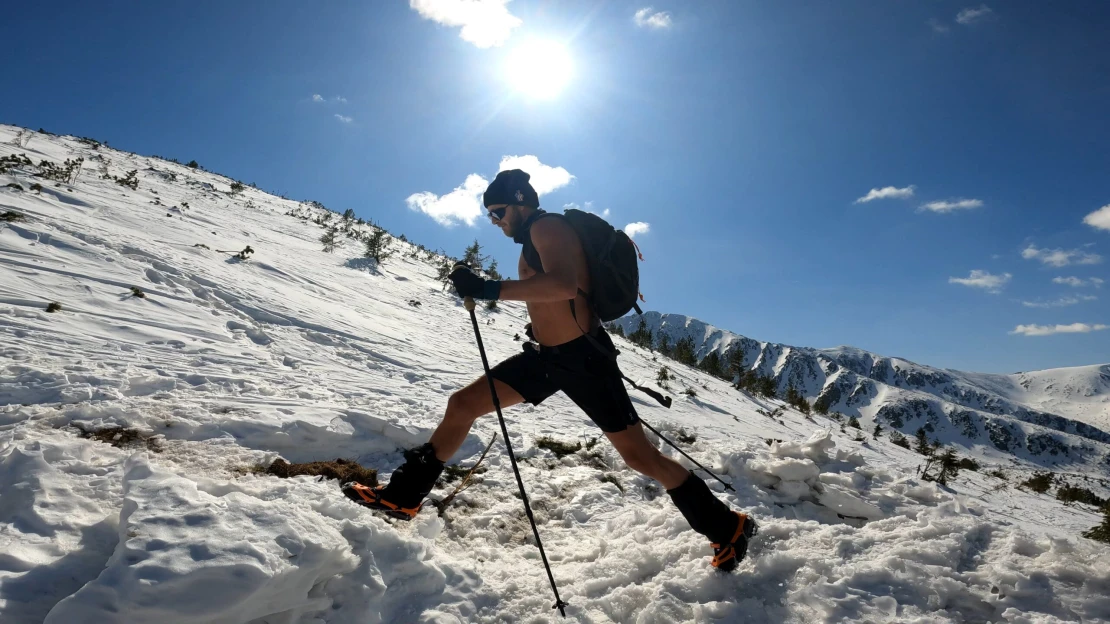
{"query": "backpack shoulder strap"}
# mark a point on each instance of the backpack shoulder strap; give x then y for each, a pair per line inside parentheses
(531, 256)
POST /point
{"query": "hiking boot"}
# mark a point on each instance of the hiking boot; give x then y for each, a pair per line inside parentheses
(411, 482)
(726, 555)
(372, 498)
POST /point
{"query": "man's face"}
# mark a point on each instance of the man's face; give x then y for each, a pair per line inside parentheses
(505, 217)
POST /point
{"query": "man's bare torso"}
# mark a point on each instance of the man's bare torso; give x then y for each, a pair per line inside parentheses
(552, 322)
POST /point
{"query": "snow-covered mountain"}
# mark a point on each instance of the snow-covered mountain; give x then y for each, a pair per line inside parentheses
(1059, 416)
(130, 426)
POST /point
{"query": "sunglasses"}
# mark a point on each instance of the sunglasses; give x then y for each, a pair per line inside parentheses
(497, 214)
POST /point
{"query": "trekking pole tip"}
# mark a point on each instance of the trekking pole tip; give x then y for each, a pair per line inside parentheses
(468, 303)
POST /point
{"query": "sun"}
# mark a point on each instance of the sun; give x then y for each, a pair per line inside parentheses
(539, 69)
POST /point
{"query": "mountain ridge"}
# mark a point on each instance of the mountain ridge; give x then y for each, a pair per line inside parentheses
(1060, 414)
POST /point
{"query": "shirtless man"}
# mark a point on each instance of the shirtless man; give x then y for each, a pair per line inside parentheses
(553, 271)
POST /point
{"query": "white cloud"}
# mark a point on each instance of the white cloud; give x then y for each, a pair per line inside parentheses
(462, 205)
(544, 178)
(1060, 257)
(1048, 330)
(1099, 219)
(1062, 302)
(638, 227)
(1076, 282)
(984, 280)
(644, 18)
(970, 15)
(343, 118)
(316, 97)
(588, 207)
(485, 23)
(939, 26)
(950, 205)
(340, 99)
(887, 192)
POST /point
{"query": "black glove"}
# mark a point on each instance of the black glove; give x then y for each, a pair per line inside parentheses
(467, 284)
(528, 332)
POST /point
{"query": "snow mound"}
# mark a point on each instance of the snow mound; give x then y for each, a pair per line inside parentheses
(255, 559)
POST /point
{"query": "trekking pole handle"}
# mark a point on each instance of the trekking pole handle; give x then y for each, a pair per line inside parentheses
(468, 303)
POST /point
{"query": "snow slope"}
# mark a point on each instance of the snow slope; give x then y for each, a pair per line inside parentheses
(310, 356)
(1056, 418)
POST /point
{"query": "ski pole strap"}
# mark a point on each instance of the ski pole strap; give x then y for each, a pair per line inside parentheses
(694, 461)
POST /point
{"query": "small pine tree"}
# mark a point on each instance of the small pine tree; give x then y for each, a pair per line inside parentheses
(663, 345)
(377, 245)
(797, 400)
(767, 387)
(821, 405)
(662, 377)
(1039, 482)
(642, 336)
(473, 256)
(444, 271)
(877, 431)
(684, 351)
(493, 272)
(854, 422)
(236, 187)
(348, 216)
(1101, 533)
(922, 446)
(898, 439)
(330, 239)
(617, 330)
(193, 165)
(949, 466)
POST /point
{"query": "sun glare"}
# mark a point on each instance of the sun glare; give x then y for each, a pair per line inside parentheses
(539, 69)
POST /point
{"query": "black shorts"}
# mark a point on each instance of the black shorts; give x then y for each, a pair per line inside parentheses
(588, 377)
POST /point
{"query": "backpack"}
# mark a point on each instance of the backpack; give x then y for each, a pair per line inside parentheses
(611, 257)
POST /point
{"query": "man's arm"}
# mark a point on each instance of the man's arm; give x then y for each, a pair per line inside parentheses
(560, 254)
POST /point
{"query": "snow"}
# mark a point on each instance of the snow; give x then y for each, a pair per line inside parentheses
(311, 356)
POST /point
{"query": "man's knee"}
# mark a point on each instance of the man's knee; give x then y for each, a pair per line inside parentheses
(463, 406)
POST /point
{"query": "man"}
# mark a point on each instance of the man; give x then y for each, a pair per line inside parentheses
(553, 271)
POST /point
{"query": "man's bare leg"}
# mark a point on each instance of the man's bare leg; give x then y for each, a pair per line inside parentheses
(642, 456)
(463, 408)
(706, 513)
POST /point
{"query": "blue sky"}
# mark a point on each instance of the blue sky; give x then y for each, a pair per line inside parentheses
(742, 132)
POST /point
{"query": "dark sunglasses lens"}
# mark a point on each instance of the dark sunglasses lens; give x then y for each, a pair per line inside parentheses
(498, 213)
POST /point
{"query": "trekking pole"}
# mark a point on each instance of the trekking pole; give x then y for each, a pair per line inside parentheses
(662, 437)
(559, 604)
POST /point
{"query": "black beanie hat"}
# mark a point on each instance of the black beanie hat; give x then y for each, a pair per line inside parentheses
(511, 187)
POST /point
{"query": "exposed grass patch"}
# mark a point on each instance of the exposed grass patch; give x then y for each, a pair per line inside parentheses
(12, 216)
(121, 437)
(454, 472)
(612, 478)
(138, 292)
(342, 469)
(54, 306)
(998, 474)
(558, 447)
(686, 438)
